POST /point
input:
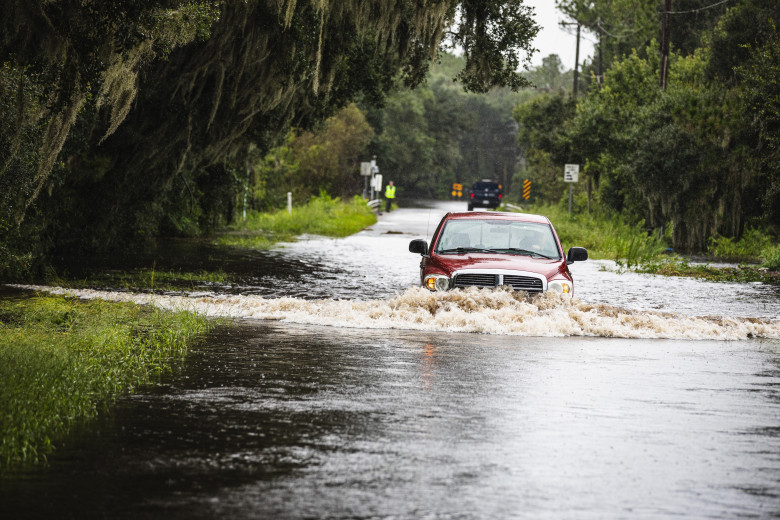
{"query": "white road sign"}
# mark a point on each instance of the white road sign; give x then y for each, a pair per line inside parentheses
(571, 172)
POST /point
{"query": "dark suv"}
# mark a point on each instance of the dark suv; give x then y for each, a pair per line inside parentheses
(485, 194)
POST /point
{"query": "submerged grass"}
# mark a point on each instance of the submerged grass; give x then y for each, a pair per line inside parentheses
(323, 215)
(143, 280)
(677, 266)
(63, 360)
(632, 247)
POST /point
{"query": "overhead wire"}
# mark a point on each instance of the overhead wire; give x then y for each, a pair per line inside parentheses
(698, 9)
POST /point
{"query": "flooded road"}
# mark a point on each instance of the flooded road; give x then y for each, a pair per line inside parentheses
(343, 393)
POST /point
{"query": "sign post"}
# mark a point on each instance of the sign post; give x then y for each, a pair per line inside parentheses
(365, 172)
(571, 173)
(375, 184)
(378, 184)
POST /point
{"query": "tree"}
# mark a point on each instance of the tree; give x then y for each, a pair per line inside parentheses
(169, 96)
(404, 146)
(329, 160)
(760, 91)
(437, 134)
(626, 26)
(541, 137)
(62, 54)
(550, 75)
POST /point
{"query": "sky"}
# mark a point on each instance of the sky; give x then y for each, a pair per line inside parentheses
(554, 39)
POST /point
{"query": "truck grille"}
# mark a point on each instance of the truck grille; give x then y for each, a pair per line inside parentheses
(476, 280)
(524, 283)
(518, 282)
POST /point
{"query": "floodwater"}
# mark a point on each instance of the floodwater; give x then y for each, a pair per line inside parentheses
(347, 393)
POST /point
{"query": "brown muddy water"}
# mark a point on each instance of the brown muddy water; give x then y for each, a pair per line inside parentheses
(359, 396)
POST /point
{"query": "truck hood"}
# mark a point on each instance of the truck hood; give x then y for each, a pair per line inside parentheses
(450, 263)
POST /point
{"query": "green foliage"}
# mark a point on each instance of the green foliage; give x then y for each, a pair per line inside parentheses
(494, 34)
(745, 27)
(541, 135)
(63, 361)
(622, 27)
(311, 162)
(760, 91)
(82, 53)
(683, 158)
(752, 245)
(405, 147)
(613, 237)
(772, 259)
(141, 280)
(322, 215)
(329, 160)
(550, 75)
(437, 134)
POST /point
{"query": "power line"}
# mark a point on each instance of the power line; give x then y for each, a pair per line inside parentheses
(699, 9)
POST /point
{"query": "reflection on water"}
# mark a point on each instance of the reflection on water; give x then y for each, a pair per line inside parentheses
(286, 421)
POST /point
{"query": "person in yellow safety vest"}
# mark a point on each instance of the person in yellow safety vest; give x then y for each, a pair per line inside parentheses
(389, 195)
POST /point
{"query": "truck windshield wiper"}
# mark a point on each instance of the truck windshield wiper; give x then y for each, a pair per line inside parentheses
(462, 250)
(516, 251)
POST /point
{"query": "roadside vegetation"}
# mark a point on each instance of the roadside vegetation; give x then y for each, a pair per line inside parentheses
(605, 237)
(631, 246)
(322, 215)
(63, 361)
(141, 280)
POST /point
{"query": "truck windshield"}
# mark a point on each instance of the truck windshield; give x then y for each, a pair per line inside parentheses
(498, 236)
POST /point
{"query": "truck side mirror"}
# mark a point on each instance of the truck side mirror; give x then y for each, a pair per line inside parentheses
(418, 246)
(576, 254)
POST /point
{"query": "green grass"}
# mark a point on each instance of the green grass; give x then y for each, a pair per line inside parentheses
(142, 280)
(610, 238)
(323, 215)
(63, 360)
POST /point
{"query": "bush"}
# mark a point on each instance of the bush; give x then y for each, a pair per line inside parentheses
(322, 215)
(772, 259)
(604, 237)
(750, 246)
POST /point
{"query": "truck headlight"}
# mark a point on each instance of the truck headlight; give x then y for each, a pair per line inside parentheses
(437, 282)
(560, 287)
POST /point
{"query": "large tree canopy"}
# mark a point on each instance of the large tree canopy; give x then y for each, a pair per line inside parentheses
(133, 107)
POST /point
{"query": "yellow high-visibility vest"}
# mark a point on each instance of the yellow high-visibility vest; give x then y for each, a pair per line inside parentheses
(390, 192)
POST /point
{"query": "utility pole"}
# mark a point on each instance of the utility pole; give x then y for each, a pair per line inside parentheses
(666, 21)
(576, 56)
(601, 64)
(577, 60)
